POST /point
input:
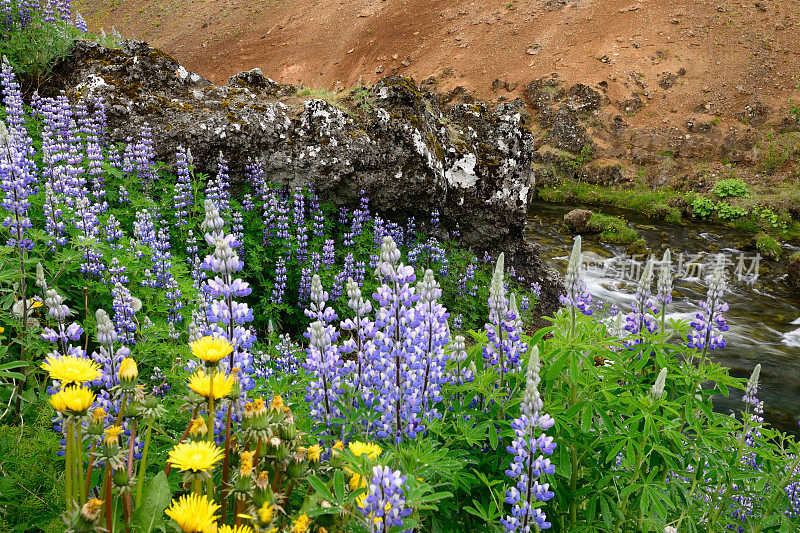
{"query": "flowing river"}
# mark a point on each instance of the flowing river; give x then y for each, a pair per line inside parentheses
(764, 315)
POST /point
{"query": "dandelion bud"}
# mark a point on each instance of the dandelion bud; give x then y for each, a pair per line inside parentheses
(262, 495)
(97, 422)
(336, 458)
(128, 373)
(657, 391)
(314, 453)
(121, 478)
(198, 429)
(297, 464)
(287, 430)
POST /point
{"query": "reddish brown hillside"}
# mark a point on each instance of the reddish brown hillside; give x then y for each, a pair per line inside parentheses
(731, 52)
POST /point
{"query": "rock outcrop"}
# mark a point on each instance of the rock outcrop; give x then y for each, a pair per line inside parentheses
(392, 141)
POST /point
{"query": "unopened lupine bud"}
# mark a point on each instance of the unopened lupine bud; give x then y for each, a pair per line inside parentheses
(106, 332)
(532, 401)
(751, 389)
(40, 281)
(657, 390)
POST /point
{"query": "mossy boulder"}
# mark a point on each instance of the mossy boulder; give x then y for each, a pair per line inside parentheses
(577, 220)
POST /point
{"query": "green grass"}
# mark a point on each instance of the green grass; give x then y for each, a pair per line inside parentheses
(612, 230)
(646, 201)
(768, 247)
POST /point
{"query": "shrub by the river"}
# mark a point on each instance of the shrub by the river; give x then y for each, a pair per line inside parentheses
(768, 247)
(268, 363)
(612, 229)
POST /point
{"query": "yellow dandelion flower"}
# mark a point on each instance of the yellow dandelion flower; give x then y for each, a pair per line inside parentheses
(98, 415)
(111, 435)
(193, 513)
(128, 371)
(362, 448)
(34, 304)
(200, 383)
(71, 369)
(301, 524)
(195, 456)
(211, 349)
(314, 452)
(72, 400)
(235, 529)
(265, 513)
(277, 403)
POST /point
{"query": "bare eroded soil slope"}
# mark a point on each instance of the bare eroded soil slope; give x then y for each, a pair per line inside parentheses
(729, 51)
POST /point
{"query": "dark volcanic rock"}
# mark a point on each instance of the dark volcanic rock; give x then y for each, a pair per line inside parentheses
(409, 155)
(793, 270)
(567, 132)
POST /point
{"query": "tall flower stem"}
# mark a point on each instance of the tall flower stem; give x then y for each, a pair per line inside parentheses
(143, 462)
(68, 466)
(224, 488)
(89, 470)
(210, 480)
(79, 463)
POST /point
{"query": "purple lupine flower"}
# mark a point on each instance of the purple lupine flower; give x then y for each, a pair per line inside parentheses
(432, 336)
(385, 501)
(459, 374)
(458, 321)
(504, 348)
(247, 203)
(279, 286)
(125, 307)
(526, 468)
(80, 24)
(577, 297)
(109, 356)
(116, 273)
(226, 316)
(328, 255)
(664, 296)
(218, 189)
(288, 359)
(363, 331)
(53, 220)
(396, 376)
(318, 308)
(317, 216)
(63, 335)
(536, 289)
(183, 197)
(17, 169)
(642, 318)
(709, 323)
(324, 360)
(88, 226)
